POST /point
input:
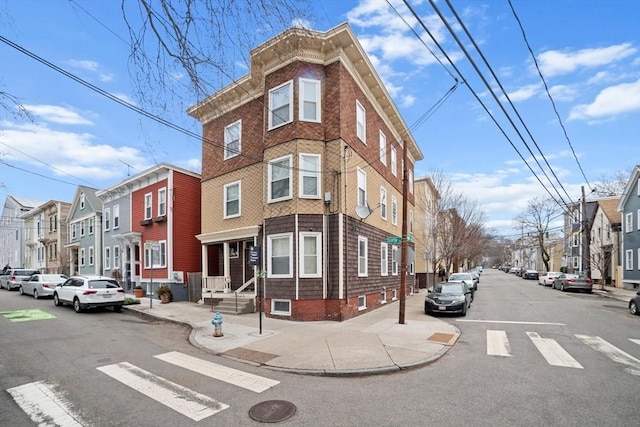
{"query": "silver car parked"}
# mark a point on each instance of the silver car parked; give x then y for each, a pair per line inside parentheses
(13, 277)
(41, 285)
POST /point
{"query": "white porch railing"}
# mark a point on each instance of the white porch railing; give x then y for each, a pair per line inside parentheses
(213, 284)
(245, 286)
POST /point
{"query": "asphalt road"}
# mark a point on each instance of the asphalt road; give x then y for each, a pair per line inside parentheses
(77, 355)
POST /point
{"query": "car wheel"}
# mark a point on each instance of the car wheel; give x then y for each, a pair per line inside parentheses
(21, 291)
(117, 308)
(56, 300)
(633, 308)
(464, 312)
(35, 293)
(561, 287)
(76, 305)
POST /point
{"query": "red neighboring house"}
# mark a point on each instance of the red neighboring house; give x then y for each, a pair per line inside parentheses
(165, 215)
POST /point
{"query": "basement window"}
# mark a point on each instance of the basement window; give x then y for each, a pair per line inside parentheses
(362, 303)
(281, 307)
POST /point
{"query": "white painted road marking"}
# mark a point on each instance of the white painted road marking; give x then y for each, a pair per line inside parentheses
(613, 353)
(44, 405)
(498, 344)
(552, 352)
(634, 340)
(212, 370)
(181, 399)
(509, 322)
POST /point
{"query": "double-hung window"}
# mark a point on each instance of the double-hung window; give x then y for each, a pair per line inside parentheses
(394, 210)
(394, 161)
(383, 148)
(363, 256)
(116, 257)
(280, 179)
(384, 259)
(107, 258)
(162, 202)
(116, 216)
(73, 230)
(232, 200)
(91, 255)
(309, 100)
(82, 257)
(280, 253)
(82, 230)
(232, 139)
(362, 188)
(309, 176)
(361, 122)
(410, 174)
(91, 225)
(394, 260)
(281, 105)
(628, 259)
(310, 262)
(383, 203)
(148, 206)
(107, 219)
(156, 256)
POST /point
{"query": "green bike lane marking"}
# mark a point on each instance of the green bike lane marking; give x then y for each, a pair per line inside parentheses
(26, 315)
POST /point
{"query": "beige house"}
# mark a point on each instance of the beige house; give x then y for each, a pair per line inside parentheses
(426, 232)
(604, 246)
(46, 237)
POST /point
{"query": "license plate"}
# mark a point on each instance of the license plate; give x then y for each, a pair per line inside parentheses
(107, 295)
(442, 308)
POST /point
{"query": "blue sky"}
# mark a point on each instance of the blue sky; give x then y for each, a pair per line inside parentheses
(588, 52)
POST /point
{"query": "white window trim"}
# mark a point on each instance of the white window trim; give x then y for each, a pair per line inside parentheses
(362, 184)
(82, 201)
(290, 83)
(362, 302)
(410, 222)
(410, 181)
(383, 296)
(301, 254)
(231, 153)
(162, 205)
(82, 257)
(82, 228)
(384, 205)
(301, 101)
(116, 259)
(628, 259)
(383, 148)
(270, 240)
(116, 217)
(360, 111)
(224, 195)
(394, 294)
(638, 220)
(394, 263)
(394, 161)
(107, 258)
(394, 210)
(107, 219)
(278, 312)
(73, 230)
(384, 259)
(162, 248)
(91, 255)
(365, 273)
(306, 173)
(290, 177)
(628, 222)
(148, 205)
(91, 226)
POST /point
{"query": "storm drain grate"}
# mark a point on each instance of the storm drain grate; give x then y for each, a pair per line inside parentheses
(272, 411)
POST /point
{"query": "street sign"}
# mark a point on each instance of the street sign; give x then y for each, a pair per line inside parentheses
(394, 240)
(151, 245)
(409, 238)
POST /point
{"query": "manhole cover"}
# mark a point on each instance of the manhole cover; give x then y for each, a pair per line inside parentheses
(272, 411)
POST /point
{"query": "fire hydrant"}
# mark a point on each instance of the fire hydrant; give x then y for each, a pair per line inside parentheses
(217, 324)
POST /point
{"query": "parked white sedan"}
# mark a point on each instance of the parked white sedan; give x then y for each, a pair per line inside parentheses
(547, 278)
(85, 292)
(41, 285)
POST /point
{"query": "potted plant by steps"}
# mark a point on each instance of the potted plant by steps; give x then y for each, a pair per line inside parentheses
(164, 293)
(138, 291)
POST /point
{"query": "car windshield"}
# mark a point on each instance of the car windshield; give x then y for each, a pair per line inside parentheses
(25, 272)
(102, 284)
(460, 276)
(449, 288)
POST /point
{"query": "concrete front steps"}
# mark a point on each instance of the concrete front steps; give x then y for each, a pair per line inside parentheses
(228, 305)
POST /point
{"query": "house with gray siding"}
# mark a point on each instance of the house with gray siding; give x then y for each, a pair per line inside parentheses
(12, 230)
(629, 208)
(84, 227)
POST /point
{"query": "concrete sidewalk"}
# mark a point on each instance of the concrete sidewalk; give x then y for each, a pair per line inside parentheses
(371, 343)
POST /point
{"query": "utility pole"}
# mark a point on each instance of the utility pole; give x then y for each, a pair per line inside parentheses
(403, 261)
(586, 237)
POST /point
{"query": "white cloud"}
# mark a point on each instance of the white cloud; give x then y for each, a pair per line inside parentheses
(67, 153)
(611, 101)
(57, 114)
(84, 64)
(554, 62)
(563, 93)
(525, 92)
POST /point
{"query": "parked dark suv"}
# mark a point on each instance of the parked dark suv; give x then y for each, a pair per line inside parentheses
(12, 279)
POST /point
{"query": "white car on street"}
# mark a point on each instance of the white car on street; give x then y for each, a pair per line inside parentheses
(84, 292)
(547, 278)
(41, 285)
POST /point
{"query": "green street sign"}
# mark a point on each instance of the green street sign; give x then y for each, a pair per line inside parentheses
(409, 238)
(394, 240)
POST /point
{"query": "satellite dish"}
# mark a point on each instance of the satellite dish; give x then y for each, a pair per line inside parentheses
(363, 211)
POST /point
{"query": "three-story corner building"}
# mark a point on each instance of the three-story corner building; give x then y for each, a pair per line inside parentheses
(604, 247)
(13, 230)
(45, 248)
(576, 226)
(85, 236)
(303, 159)
(149, 226)
(629, 208)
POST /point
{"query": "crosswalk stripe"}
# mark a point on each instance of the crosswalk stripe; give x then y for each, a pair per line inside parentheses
(44, 405)
(498, 344)
(634, 341)
(553, 352)
(613, 353)
(213, 370)
(181, 399)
